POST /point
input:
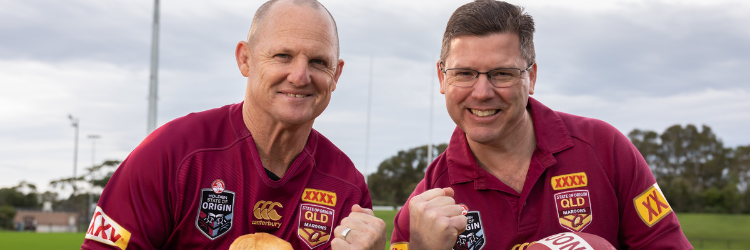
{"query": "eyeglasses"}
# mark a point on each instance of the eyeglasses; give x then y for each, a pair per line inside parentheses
(499, 78)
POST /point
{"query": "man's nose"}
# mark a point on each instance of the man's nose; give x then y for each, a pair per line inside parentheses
(300, 75)
(483, 88)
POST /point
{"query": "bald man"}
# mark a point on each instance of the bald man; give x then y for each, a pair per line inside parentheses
(204, 179)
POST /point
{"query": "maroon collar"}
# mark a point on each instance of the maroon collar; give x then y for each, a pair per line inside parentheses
(551, 137)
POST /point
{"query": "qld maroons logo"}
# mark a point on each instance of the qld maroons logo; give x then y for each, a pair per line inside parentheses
(574, 209)
(315, 224)
(216, 211)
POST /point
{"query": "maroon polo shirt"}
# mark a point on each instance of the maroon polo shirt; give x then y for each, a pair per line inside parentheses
(584, 176)
(197, 183)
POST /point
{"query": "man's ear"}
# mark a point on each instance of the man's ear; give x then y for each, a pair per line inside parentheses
(441, 77)
(339, 69)
(532, 79)
(242, 54)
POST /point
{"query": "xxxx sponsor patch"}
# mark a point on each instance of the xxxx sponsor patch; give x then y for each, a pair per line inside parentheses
(216, 211)
(568, 181)
(651, 205)
(574, 209)
(473, 237)
(315, 224)
(105, 230)
(321, 197)
(399, 246)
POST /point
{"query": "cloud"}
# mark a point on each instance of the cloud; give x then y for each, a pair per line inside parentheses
(652, 50)
(635, 64)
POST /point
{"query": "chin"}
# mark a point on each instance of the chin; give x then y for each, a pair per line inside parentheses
(481, 135)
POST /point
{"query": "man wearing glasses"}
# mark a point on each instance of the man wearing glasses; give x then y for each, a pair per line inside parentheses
(516, 171)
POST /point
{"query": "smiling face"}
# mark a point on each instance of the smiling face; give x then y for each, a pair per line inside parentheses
(486, 113)
(293, 67)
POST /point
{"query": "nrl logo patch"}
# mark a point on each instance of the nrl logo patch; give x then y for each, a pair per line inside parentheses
(473, 237)
(569, 181)
(315, 224)
(651, 205)
(216, 212)
(574, 209)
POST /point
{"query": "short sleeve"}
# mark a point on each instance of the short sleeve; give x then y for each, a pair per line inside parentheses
(646, 219)
(133, 210)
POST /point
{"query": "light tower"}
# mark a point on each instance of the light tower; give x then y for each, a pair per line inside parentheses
(74, 121)
(153, 85)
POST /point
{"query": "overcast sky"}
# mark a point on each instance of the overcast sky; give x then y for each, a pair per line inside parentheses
(634, 64)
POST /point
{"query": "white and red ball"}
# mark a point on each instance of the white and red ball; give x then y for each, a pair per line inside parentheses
(570, 240)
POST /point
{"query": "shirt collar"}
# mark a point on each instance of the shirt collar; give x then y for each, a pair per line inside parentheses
(551, 137)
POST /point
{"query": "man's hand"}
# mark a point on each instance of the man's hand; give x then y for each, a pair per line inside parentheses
(367, 231)
(435, 220)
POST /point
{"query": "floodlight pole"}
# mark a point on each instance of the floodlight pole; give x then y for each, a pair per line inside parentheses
(153, 85)
(93, 148)
(367, 130)
(74, 121)
(432, 96)
(93, 163)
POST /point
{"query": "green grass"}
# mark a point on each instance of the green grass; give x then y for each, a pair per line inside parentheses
(714, 229)
(48, 241)
(387, 216)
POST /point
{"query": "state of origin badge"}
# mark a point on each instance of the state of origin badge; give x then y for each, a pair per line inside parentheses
(473, 237)
(216, 210)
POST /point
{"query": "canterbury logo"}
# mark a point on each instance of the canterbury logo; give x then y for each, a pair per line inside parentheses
(568, 181)
(265, 210)
(319, 197)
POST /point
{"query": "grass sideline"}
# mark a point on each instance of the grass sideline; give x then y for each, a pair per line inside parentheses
(720, 227)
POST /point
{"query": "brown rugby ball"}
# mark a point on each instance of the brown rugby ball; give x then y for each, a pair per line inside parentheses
(258, 241)
(570, 240)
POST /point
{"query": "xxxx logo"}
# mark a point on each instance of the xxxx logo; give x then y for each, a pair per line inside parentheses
(651, 205)
(105, 230)
(568, 181)
(265, 212)
(319, 197)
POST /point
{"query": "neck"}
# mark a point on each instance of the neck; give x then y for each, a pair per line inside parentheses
(508, 157)
(278, 144)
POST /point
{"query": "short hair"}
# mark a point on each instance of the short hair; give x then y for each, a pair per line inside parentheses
(261, 13)
(486, 17)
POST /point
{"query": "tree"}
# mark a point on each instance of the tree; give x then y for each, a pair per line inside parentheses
(22, 195)
(97, 175)
(397, 176)
(740, 169)
(693, 168)
(6, 216)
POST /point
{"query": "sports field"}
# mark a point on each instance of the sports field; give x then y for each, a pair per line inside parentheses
(717, 231)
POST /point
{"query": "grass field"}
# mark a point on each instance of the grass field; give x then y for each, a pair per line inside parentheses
(718, 231)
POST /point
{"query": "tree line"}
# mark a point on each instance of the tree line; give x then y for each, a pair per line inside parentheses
(25, 195)
(694, 169)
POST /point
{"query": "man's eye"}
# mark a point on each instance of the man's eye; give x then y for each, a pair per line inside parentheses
(318, 61)
(285, 56)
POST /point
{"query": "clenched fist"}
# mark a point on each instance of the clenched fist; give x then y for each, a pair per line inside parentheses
(435, 220)
(365, 231)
